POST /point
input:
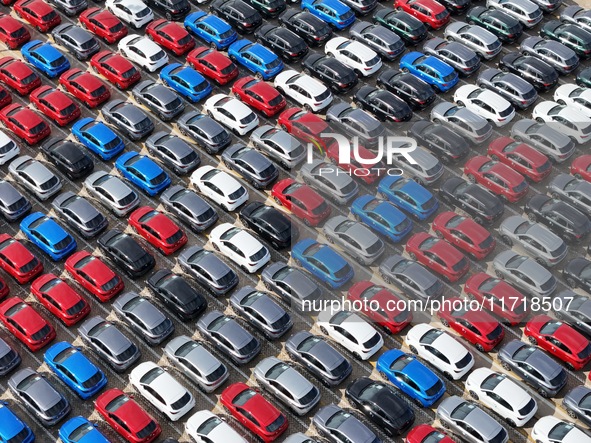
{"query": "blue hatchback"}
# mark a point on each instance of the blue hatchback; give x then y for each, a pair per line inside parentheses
(186, 81)
(49, 236)
(409, 196)
(211, 29)
(143, 172)
(411, 376)
(382, 216)
(98, 137)
(256, 58)
(13, 428)
(335, 13)
(430, 69)
(323, 262)
(75, 369)
(79, 429)
(45, 57)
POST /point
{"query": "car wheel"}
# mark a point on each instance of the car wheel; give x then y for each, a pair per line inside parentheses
(532, 340)
(505, 239)
(478, 220)
(259, 76)
(277, 201)
(444, 322)
(540, 261)
(412, 255)
(168, 16)
(356, 356)
(506, 366)
(471, 178)
(437, 121)
(539, 119)
(480, 347)
(499, 274)
(543, 393)
(439, 234)
(307, 222)
(473, 394)
(450, 38)
(330, 54)
(571, 282)
(511, 423)
(215, 246)
(323, 330)
(444, 425)
(571, 414)
(329, 239)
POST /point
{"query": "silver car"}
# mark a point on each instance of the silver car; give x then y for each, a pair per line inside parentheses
(278, 144)
(112, 192)
(460, 119)
(76, 40)
(194, 360)
(9, 358)
(205, 131)
(291, 284)
(70, 7)
(527, 12)
(340, 426)
(556, 145)
(356, 122)
(382, 40)
(410, 276)
(79, 214)
(192, 209)
(458, 55)
(173, 151)
(330, 181)
(513, 88)
(426, 169)
(164, 102)
(287, 384)
(208, 269)
(576, 192)
(525, 273)
(13, 204)
(355, 238)
(35, 177)
(127, 117)
(8, 149)
(253, 166)
(483, 42)
(556, 54)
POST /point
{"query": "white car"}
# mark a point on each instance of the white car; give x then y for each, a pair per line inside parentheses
(550, 429)
(162, 390)
(566, 119)
(363, 60)
(206, 427)
(231, 112)
(526, 11)
(8, 149)
(352, 332)
(575, 96)
(485, 103)
(240, 246)
(143, 51)
(503, 395)
(220, 187)
(440, 349)
(305, 90)
(133, 12)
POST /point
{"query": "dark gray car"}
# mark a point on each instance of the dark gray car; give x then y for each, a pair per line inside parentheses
(413, 278)
(291, 284)
(192, 209)
(525, 273)
(205, 131)
(339, 426)
(457, 55)
(173, 151)
(229, 336)
(355, 238)
(483, 42)
(76, 40)
(557, 55)
(329, 180)
(573, 191)
(128, 118)
(577, 402)
(534, 366)
(112, 192)
(278, 144)
(462, 120)
(251, 165)
(574, 308)
(556, 145)
(109, 343)
(9, 358)
(516, 90)
(164, 102)
(143, 317)
(299, 437)
(208, 269)
(382, 40)
(70, 7)
(13, 204)
(356, 122)
(39, 396)
(79, 214)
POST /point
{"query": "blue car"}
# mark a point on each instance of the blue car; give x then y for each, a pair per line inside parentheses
(45, 57)
(323, 262)
(210, 29)
(143, 172)
(98, 137)
(411, 376)
(49, 236)
(430, 69)
(265, 64)
(13, 428)
(186, 81)
(409, 196)
(382, 216)
(335, 13)
(75, 369)
(79, 429)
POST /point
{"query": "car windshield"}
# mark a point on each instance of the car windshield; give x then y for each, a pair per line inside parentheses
(41, 333)
(37, 129)
(144, 12)
(57, 62)
(148, 430)
(99, 91)
(449, 77)
(337, 420)
(181, 402)
(259, 255)
(462, 411)
(275, 63)
(129, 73)
(277, 423)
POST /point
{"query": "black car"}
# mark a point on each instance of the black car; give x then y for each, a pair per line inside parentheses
(560, 217)
(176, 294)
(173, 10)
(313, 30)
(408, 87)
(68, 157)
(381, 404)
(268, 8)
(283, 42)
(383, 104)
(361, 7)
(570, 35)
(444, 143)
(539, 73)
(584, 78)
(505, 27)
(476, 201)
(123, 250)
(270, 223)
(577, 274)
(241, 16)
(339, 77)
(408, 28)
(456, 6)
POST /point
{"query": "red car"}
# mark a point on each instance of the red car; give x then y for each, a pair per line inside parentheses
(104, 24)
(301, 200)
(158, 229)
(60, 299)
(4, 289)
(14, 33)
(523, 158)
(94, 275)
(497, 177)
(85, 87)
(438, 255)
(128, 418)
(581, 167)
(5, 97)
(25, 123)
(55, 104)
(369, 170)
(497, 296)
(259, 94)
(18, 75)
(476, 326)
(388, 316)
(115, 68)
(17, 260)
(171, 35)
(464, 233)
(426, 433)
(38, 13)
(305, 126)
(430, 12)
(560, 340)
(213, 64)
(254, 411)
(25, 323)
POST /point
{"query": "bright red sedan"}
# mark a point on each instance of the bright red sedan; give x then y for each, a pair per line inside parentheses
(26, 324)
(213, 64)
(60, 299)
(18, 75)
(523, 158)
(170, 35)
(14, 32)
(427, 434)
(104, 24)
(500, 179)
(430, 12)
(94, 275)
(464, 233)
(581, 167)
(305, 126)
(438, 255)
(25, 123)
(301, 200)
(369, 170)
(158, 229)
(115, 68)
(38, 13)
(259, 94)
(17, 260)
(55, 104)
(85, 87)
